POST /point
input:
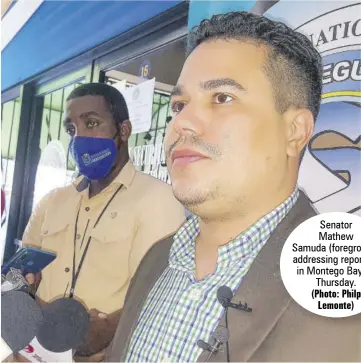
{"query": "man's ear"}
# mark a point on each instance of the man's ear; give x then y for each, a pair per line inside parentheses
(125, 130)
(300, 127)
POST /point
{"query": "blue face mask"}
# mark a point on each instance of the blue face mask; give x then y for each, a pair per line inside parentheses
(94, 156)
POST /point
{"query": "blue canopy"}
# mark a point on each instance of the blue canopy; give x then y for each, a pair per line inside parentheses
(60, 30)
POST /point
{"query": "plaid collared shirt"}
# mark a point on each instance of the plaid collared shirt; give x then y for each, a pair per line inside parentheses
(181, 310)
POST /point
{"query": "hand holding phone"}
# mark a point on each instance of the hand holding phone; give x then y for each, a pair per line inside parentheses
(33, 279)
(29, 260)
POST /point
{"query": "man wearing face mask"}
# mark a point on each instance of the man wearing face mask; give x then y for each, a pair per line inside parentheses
(102, 225)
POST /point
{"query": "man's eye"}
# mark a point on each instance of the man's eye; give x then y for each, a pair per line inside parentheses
(92, 124)
(70, 131)
(177, 107)
(222, 98)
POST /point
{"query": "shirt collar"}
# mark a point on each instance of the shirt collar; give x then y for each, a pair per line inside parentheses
(182, 253)
(125, 177)
(250, 242)
(247, 243)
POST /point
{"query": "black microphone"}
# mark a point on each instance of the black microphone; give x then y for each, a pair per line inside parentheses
(204, 345)
(20, 318)
(65, 325)
(219, 337)
(225, 295)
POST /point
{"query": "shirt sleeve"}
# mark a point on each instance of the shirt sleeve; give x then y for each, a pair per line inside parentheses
(161, 216)
(32, 234)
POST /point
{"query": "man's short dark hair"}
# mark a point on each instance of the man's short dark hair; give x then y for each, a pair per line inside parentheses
(113, 99)
(293, 64)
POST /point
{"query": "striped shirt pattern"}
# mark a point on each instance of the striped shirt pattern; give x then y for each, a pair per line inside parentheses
(179, 309)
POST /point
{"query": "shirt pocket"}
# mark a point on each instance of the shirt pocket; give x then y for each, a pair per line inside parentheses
(54, 235)
(110, 249)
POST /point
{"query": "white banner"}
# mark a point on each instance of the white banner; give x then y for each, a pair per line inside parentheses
(139, 100)
(151, 158)
(330, 172)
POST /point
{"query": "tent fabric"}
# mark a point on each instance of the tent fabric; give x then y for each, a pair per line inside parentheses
(61, 30)
(6, 5)
(204, 9)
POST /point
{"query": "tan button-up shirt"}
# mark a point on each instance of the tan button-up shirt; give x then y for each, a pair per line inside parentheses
(142, 212)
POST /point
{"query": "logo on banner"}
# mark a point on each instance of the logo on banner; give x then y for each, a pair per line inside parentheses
(331, 170)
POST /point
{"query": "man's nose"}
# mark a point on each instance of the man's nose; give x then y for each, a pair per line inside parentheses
(189, 122)
(81, 130)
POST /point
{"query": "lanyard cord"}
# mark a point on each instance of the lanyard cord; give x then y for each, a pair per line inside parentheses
(77, 272)
(227, 342)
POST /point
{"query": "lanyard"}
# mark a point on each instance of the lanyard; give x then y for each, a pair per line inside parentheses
(77, 272)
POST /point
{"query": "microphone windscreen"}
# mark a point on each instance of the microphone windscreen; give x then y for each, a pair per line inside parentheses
(221, 334)
(20, 317)
(224, 295)
(65, 325)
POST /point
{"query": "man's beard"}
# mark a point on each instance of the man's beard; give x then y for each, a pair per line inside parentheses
(194, 198)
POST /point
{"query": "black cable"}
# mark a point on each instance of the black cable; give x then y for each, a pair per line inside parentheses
(86, 229)
(227, 343)
(66, 289)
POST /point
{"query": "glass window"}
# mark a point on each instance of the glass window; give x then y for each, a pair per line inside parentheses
(56, 168)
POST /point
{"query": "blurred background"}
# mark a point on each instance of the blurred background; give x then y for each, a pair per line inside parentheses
(50, 47)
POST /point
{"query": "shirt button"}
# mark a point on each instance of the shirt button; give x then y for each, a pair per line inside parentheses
(195, 294)
(78, 236)
(67, 269)
(87, 209)
(45, 232)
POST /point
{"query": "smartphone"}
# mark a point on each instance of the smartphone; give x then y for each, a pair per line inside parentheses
(29, 260)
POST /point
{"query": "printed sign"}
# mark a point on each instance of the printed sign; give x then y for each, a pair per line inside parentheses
(152, 159)
(139, 100)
